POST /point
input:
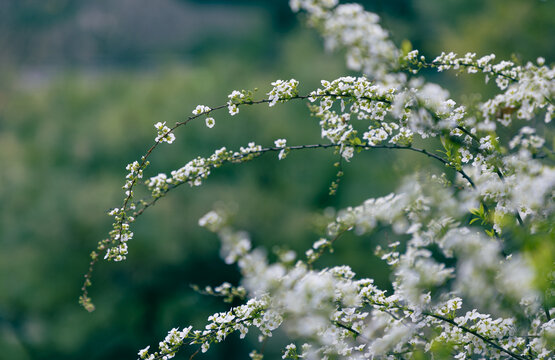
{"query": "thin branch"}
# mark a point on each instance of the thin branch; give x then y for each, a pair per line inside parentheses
(350, 329)
(496, 73)
(194, 354)
(475, 333)
(497, 170)
(309, 146)
(452, 323)
(202, 338)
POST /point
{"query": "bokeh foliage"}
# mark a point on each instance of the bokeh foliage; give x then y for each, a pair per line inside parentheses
(68, 127)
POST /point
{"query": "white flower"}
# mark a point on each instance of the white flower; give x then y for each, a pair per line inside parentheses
(144, 351)
(211, 220)
(290, 350)
(201, 109)
(236, 96)
(466, 156)
(412, 55)
(320, 243)
(210, 122)
(280, 143)
(233, 108)
(348, 153)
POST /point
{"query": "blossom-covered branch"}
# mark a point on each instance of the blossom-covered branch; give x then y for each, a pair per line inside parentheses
(463, 252)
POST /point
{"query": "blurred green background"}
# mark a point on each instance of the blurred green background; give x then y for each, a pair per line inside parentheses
(81, 85)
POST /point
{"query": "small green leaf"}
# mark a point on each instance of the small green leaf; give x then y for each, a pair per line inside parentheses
(406, 47)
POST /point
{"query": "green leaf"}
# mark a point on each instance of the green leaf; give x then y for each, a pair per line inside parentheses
(406, 47)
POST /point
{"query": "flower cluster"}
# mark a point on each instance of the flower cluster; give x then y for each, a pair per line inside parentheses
(225, 290)
(282, 91)
(197, 170)
(348, 26)
(219, 326)
(534, 91)
(281, 143)
(526, 88)
(237, 98)
(204, 110)
(116, 245)
(201, 109)
(164, 133)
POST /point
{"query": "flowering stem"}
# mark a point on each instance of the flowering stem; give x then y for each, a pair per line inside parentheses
(475, 333)
(145, 157)
(481, 68)
(452, 323)
(497, 170)
(311, 146)
(348, 328)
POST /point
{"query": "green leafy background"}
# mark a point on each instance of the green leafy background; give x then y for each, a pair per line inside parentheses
(81, 85)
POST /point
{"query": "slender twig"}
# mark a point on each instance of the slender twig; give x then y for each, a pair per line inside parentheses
(309, 146)
(264, 345)
(496, 73)
(194, 354)
(475, 333)
(497, 170)
(350, 329)
(452, 323)
(201, 339)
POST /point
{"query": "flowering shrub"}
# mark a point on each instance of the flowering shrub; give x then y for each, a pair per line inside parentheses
(473, 275)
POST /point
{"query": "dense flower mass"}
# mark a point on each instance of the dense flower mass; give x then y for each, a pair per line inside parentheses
(472, 263)
(282, 91)
(348, 26)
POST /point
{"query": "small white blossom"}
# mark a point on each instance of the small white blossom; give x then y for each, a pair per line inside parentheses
(201, 109)
(280, 143)
(233, 108)
(210, 122)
